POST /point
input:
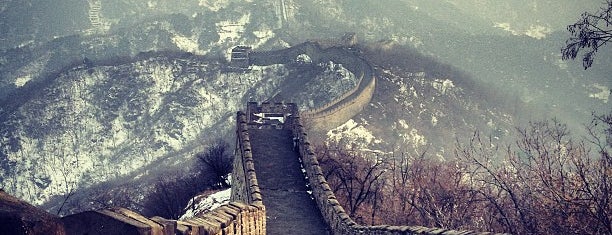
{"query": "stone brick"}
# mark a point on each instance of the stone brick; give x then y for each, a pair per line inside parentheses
(19, 217)
(251, 219)
(156, 229)
(203, 226)
(104, 222)
(187, 228)
(169, 226)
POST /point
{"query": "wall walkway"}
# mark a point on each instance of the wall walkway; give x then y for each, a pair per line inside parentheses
(289, 206)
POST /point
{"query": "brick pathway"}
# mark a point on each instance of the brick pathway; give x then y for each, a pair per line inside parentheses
(289, 207)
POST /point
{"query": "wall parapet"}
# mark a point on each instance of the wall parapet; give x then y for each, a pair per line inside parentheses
(19, 217)
(245, 188)
(313, 112)
(342, 110)
(334, 214)
(233, 218)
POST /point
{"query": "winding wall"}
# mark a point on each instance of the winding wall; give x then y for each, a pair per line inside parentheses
(335, 114)
(341, 109)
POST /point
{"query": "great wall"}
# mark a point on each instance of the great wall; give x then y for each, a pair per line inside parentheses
(278, 186)
(342, 108)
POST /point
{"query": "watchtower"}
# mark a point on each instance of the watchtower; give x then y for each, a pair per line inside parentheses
(240, 57)
(271, 115)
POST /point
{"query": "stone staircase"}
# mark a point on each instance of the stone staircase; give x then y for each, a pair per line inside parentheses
(290, 208)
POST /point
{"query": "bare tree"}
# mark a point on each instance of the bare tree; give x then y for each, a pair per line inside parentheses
(355, 179)
(546, 183)
(171, 195)
(590, 33)
(431, 192)
(599, 185)
(168, 199)
(217, 164)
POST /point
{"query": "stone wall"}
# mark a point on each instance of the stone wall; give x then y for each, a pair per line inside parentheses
(342, 110)
(234, 218)
(246, 214)
(333, 213)
(336, 101)
(244, 181)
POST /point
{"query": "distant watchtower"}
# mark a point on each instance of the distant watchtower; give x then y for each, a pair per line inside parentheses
(270, 115)
(240, 57)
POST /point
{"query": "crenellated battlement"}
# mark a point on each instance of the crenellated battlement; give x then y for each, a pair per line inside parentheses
(270, 115)
(330, 209)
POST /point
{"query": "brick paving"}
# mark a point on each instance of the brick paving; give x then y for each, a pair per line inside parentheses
(289, 207)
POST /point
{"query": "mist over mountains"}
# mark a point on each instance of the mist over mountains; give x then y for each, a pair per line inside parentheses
(92, 91)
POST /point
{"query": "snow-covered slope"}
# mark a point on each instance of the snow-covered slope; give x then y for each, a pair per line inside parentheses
(412, 113)
(93, 125)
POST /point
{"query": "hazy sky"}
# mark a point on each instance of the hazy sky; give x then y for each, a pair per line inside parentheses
(554, 14)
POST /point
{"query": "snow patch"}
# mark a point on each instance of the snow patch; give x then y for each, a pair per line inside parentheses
(403, 124)
(352, 134)
(538, 31)
(304, 59)
(602, 94)
(443, 85)
(263, 36)
(187, 44)
(506, 27)
(231, 31)
(20, 81)
(31, 70)
(534, 31)
(201, 204)
(416, 42)
(411, 135)
(434, 120)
